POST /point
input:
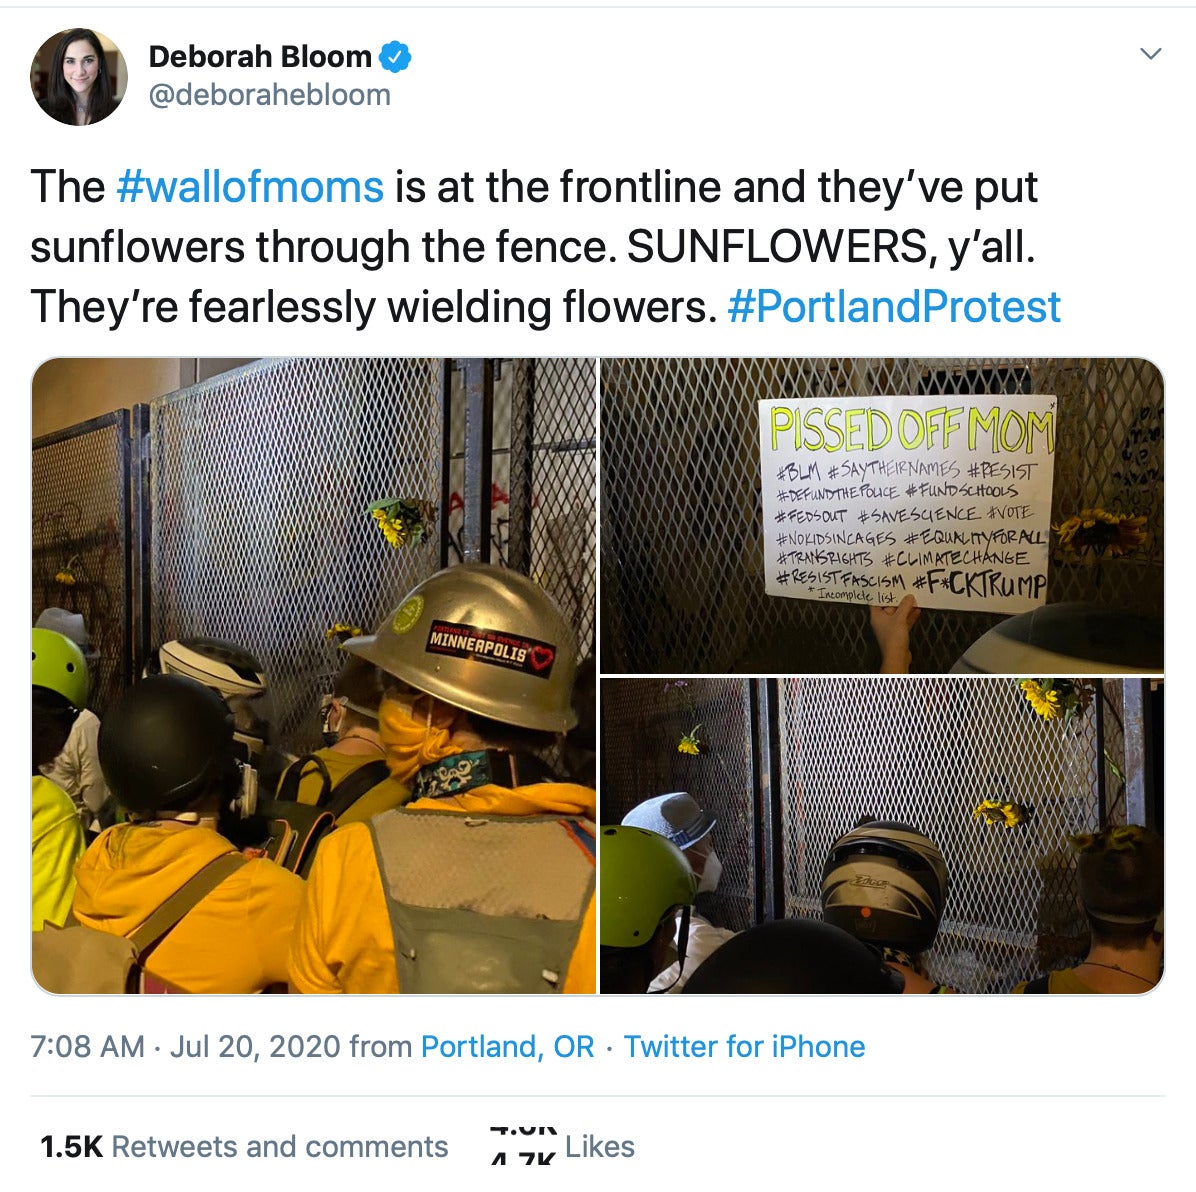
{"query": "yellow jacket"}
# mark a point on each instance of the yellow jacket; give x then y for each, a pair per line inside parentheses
(343, 940)
(381, 797)
(57, 845)
(235, 941)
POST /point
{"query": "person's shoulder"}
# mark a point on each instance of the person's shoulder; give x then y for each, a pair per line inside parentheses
(54, 110)
(50, 800)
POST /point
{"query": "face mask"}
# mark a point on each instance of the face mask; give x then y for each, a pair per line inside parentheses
(710, 875)
(328, 732)
(410, 744)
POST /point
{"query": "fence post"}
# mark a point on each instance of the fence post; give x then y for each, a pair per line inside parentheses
(479, 439)
(769, 896)
(446, 455)
(523, 439)
(140, 528)
(1141, 806)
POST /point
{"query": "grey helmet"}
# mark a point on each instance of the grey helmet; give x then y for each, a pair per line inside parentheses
(885, 883)
(484, 639)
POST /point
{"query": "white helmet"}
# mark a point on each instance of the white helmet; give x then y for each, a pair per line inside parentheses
(223, 667)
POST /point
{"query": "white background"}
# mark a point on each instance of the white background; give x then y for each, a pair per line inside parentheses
(960, 1091)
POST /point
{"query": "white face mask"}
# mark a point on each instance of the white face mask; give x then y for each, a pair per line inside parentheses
(710, 875)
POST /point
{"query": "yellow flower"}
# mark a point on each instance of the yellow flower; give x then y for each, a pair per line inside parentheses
(392, 530)
(66, 578)
(1101, 532)
(691, 743)
(1067, 530)
(993, 811)
(342, 631)
(1045, 703)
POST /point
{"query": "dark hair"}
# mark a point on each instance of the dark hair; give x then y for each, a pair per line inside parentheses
(579, 749)
(628, 970)
(361, 683)
(1120, 875)
(60, 102)
(53, 717)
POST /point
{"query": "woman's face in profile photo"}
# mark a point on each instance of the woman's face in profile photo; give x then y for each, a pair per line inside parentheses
(80, 65)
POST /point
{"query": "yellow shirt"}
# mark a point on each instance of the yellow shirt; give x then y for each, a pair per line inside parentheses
(57, 845)
(380, 797)
(234, 941)
(343, 941)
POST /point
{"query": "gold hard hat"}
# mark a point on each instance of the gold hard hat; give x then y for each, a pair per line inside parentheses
(483, 639)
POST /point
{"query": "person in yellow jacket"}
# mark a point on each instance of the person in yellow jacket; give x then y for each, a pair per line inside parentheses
(168, 755)
(351, 721)
(60, 681)
(57, 845)
(484, 883)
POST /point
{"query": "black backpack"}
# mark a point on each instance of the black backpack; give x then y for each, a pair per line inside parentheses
(296, 828)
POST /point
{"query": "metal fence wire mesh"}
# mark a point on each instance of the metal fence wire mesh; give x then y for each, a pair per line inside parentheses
(921, 751)
(683, 543)
(261, 482)
(643, 722)
(926, 753)
(80, 540)
(543, 490)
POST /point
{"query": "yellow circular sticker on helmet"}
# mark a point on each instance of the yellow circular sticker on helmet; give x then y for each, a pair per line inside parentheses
(408, 615)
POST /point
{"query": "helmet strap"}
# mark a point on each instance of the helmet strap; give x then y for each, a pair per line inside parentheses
(461, 772)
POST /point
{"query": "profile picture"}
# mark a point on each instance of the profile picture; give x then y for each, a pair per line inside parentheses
(78, 77)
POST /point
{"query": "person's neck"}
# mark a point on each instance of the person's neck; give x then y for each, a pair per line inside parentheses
(359, 739)
(1123, 970)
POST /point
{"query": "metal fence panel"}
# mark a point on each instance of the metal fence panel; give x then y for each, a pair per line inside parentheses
(543, 494)
(643, 722)
(81, 540)
(924, 751)
(261, 480)
(682, 540)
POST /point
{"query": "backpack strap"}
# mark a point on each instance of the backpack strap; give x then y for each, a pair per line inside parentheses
(288, 788)
(354, 785)
(183, 900)
(1038, 985)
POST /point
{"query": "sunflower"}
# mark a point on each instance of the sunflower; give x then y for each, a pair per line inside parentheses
(342, 632)
(1101, 532)
(392, 531)
(1044, 700)
(994, 811)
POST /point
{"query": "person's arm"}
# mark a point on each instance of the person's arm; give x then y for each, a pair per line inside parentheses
(307, 969)
(891, 627)
(93, 791)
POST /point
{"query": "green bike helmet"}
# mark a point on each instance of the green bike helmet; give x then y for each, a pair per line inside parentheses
(643, 877)
(59, 666)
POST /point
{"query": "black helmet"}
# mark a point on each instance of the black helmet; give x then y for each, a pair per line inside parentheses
(1068, 639)
(165, 743)
(886, 884)
(794, 956)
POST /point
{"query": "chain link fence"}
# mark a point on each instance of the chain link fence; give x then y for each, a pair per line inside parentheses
(682, 537)
(921, 751)
(643, 723)
(80, 540)
(257, 508)
(260, 490)
(543, 480)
